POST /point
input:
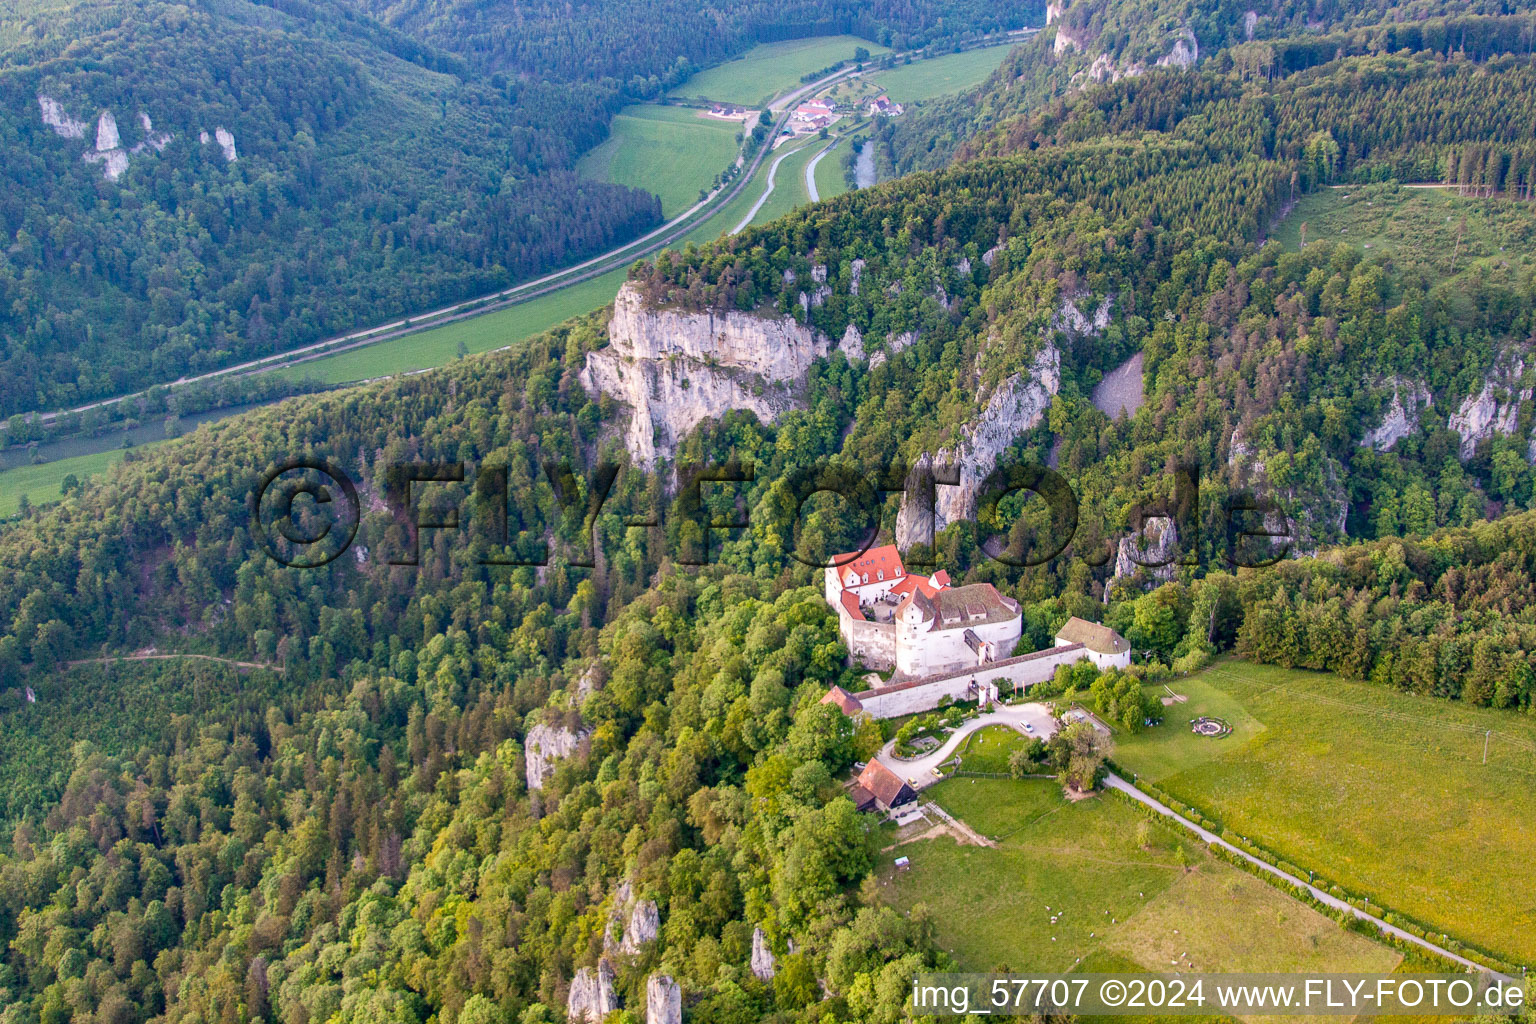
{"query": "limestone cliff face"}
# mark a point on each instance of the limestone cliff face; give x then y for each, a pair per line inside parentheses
(663, 1000)
(1495, 409)
(1155, 549)
(762, 957)
(1409, 399)
(1017, 405)
(675, 369)
(644, 926)
(592, 996)
(545, 745)
(1186, 50)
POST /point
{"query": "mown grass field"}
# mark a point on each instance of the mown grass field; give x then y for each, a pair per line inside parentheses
(440, 345)
(1113, 900)
(941, 76)
(829, 173)
(771, 68)
(1419, 226)
(1381, 792)
(789, 182)
(671, 151)
(987, 750)
(44, 483)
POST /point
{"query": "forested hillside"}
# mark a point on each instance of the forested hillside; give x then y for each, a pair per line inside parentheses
(442, 790)
(1091, 42)
(355, 185)
(645, 47)
(278, 172)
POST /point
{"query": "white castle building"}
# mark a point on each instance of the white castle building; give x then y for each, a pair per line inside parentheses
(942, 640)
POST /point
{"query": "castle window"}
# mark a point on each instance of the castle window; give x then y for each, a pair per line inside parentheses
(866, 577)
(880, 575)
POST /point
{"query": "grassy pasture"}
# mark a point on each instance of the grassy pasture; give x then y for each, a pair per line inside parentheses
(1382, 792)
(439, 346)
(1116, 904)
(671, 151)
(789, 181)
(987, 750)
(771, 68)
(1419, 227)
(829, 173)
(44, 483)
(941, 76)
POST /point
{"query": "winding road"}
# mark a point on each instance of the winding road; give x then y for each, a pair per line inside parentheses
(919, 770)
(810, 171)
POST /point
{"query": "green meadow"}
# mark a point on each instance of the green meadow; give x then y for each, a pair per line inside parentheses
(44, 483)
(941, 76)
(671, 151)
(1435, 229)
(765, 71)
(1383, 793)
(1072, 887)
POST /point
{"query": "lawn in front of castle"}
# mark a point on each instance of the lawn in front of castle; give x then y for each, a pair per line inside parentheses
(1084, 865)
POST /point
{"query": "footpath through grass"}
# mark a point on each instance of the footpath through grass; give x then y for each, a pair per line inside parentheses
(1074, 888)
(671, 151)
(765, 71)
(1382, 792)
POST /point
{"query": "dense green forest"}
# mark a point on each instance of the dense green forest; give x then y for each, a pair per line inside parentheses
(1114, 40)
(647, 47)
(350, 831)
(376, 173)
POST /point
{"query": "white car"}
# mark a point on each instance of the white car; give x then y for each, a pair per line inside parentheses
(1028, 727)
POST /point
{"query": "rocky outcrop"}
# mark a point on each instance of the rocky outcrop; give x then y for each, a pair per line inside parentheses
(852, 344)
(547, 744)
(1017, 405)
(614, 933)
(1186, 50)
(675, 369)
(762, 957)
(62, 124)
(109, 147)
(990, 256)
(1054, 11)
(1065, 41)
(893, 344)
(1493, 410)
(1401, 417)
(663, 1000)
(107, 138)
(644, 926)
(1250, 20)
(1071, 319)
(226, 143)
(1154, 549)
(592, 996)
(855, 276)
(108, 150)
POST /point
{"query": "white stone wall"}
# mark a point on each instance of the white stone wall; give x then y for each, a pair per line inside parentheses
(1103, 661)
(923, 653)
(926, 696)
(871, 643)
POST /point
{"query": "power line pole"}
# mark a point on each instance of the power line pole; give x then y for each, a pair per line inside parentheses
(1485, 745)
